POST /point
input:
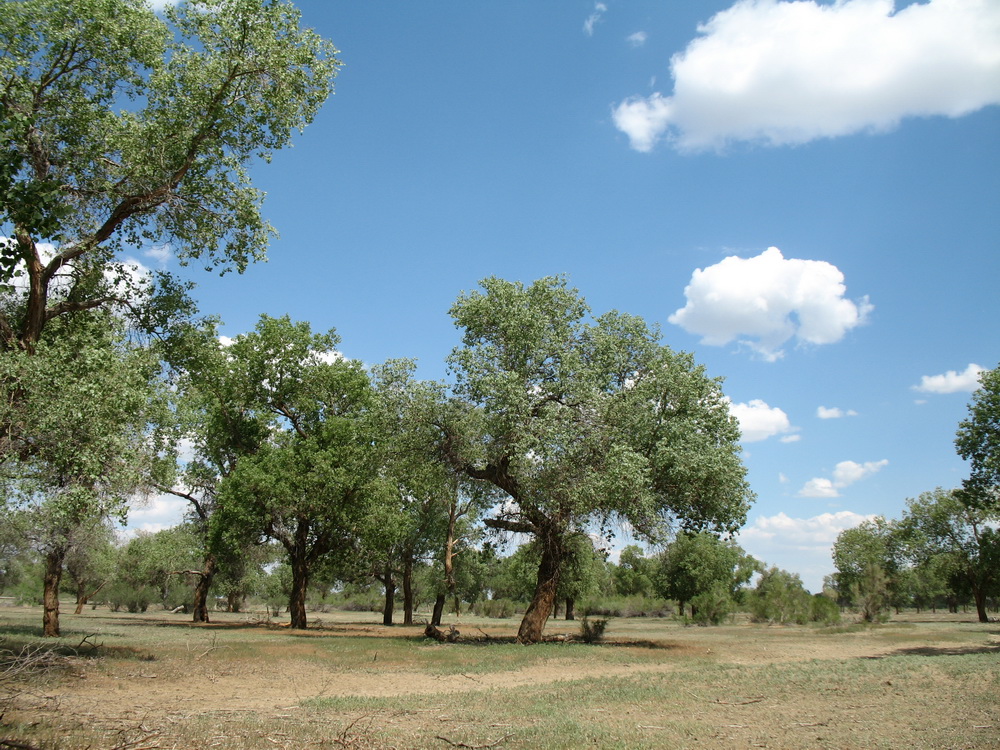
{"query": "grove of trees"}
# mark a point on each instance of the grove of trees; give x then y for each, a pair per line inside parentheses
(309, 476)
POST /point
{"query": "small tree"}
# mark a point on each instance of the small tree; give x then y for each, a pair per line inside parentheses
(780, 598)
(870, 593)
(703, 565)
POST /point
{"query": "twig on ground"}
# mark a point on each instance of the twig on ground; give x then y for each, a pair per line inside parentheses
(474, 747)
(747, 702)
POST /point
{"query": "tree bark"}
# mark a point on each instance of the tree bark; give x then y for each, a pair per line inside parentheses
(202, 587)
(439, 603)
(537, 614)
(297, 598)
(570, 608)
(50, 592)
(408, 589)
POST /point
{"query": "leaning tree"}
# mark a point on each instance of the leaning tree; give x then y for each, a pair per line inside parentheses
(586, 422)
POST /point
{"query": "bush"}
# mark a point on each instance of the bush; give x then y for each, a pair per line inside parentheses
(627, 606)
(499, 608)
(592, 631)
(713, 606)
(824, 610)
(780, 598)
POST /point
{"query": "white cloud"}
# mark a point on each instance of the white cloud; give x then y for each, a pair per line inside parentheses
(637, 39)
(161, 254)
(834, 412)
(791, 72)
(758, 421)
(951, 381)
(594, 18)
(800, 545)
(845, 474)
(155, 513)
(770, 299)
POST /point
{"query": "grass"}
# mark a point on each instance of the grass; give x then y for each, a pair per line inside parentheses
(159, 681)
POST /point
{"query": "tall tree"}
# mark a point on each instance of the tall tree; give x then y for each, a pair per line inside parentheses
(978, 442)
(316, 485)
(584, 421)
(119, 129)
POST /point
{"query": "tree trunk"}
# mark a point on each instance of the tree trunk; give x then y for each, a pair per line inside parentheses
(50, 593)
(82, 596)
(537, 614)
(297, 598)
(449, 566)
(979, 594)
(408, 589)
(438, 610)
(390, 595)
(570, 608)
(202, 587)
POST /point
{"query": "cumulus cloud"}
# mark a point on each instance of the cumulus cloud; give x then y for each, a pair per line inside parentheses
(594, 18)
(637, 39)
(769, 299)
(951, 381)
(758, 421)
(834, 412)
(845, 474)
(778, 72)
(801, 545)
(155, 514)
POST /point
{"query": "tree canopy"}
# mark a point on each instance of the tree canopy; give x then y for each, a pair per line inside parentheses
(978, 442)
(119, 129)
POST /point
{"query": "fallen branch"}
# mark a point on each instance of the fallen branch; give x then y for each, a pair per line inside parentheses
(747, 702)
(474, 747)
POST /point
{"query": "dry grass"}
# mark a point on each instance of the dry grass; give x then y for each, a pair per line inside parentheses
(156, 681)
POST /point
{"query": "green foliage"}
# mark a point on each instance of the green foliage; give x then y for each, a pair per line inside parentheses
(702, 565)
(713, 605)
(978, 442)
(780, 598)
(824, 610)
(872, 544)
(119, 129)
(942, 533)
(633, 575)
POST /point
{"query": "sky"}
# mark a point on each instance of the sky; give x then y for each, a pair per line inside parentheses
(805, 195)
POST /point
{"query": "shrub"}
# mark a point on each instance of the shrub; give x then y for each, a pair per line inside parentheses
(592, 631)
(499, 608)
(780, 598)
(713, 606)
(824, 610)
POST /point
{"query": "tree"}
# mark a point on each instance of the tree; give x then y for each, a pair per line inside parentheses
(869, 566)
(584, 422)
(633, 575)
(940, 529)
(79, 444)
(780, 598)
(701, 563)
(316, 484)
(978, 442)
(119, 129)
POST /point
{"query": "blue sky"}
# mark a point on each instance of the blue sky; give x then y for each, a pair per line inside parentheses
(654, 152)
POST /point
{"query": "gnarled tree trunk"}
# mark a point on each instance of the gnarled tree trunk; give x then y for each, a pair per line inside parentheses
(202, 587)
(537, 614)
(390, 595)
